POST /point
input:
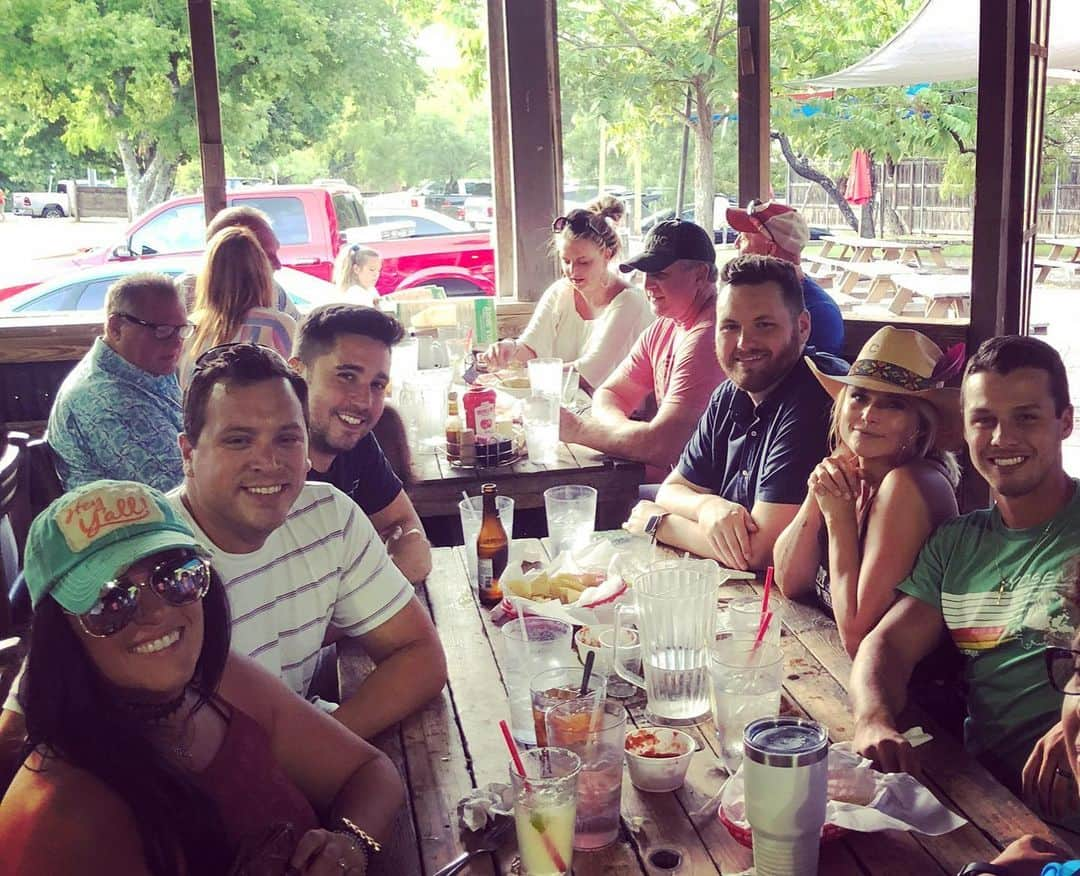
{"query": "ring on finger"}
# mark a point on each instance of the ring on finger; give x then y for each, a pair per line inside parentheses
(1065, 774)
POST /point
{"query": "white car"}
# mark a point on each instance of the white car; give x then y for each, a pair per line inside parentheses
(84, 289)
(425, 222)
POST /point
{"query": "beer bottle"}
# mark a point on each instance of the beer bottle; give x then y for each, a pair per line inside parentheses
(492, 550)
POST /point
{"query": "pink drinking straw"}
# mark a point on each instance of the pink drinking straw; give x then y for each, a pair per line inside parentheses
(536, 822)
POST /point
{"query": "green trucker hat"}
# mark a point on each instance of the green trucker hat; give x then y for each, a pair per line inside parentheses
(80, 542)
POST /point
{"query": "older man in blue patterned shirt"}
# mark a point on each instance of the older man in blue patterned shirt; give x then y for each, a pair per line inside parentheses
(118, 412)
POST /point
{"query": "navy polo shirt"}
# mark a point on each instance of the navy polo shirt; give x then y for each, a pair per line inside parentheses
(826, 321)
(364, 474)
(744, 454)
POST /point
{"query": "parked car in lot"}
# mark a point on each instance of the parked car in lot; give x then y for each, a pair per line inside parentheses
(449, 197)
(48, 205)
(425, 223)
(312, 224)
(722, 232)
(84, 289)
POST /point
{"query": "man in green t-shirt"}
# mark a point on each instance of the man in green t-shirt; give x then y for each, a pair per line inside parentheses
(995, 581)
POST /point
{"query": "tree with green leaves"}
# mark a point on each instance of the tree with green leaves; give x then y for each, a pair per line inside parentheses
(116, 75)
(632, 61)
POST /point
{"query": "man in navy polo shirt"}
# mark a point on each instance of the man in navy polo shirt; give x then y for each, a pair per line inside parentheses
(343, 351)
(742, 476)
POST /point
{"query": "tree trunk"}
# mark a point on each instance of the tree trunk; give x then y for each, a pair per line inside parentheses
(804, 169)
(147, 184)
(704, 170)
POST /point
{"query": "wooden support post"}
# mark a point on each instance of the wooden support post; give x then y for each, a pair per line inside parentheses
(502, 229)
(1012, 89)
(207, 105)
(753, 22)
(535, 139)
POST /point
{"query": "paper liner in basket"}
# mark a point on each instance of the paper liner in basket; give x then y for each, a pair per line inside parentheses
(595, 605)
(860, 798)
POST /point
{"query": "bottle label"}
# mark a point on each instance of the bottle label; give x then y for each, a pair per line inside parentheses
(485, 420)
(485, 576)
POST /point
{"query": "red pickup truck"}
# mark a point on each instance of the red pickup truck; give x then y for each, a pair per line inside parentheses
(312, 223)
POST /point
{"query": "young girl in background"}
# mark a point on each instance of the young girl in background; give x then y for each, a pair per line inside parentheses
(356, 271)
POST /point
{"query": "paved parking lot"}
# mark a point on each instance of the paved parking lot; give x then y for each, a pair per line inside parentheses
(23, 240)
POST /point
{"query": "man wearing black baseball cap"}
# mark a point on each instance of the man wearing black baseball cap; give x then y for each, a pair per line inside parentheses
(674, 359)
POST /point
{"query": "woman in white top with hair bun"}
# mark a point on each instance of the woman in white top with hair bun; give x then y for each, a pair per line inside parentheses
(590, 317)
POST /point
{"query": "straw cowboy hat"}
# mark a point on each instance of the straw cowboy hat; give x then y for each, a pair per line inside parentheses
(905, 362)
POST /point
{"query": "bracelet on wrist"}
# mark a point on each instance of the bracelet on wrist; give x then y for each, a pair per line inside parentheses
(362, 838)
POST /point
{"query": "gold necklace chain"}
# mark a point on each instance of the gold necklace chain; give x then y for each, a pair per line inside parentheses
(1005, 583)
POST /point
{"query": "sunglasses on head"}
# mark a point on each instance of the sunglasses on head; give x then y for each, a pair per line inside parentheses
(580, 222)
(755, 206)
(179, 580)
(233, 350)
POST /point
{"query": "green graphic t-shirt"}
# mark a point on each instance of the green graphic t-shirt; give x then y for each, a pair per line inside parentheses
(1001, 593)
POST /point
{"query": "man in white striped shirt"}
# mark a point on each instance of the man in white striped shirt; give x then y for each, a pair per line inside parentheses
(301, 563)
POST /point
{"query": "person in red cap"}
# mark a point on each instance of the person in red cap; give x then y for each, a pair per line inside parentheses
(780, 231)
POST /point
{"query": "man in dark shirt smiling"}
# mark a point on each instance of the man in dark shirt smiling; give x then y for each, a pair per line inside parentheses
(343, 351)
(743, 474)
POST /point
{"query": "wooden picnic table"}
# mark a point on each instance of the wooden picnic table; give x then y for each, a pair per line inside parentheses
(453, 745)
(1064, 255)
(438, 485)
(846, 254)
(944, 294)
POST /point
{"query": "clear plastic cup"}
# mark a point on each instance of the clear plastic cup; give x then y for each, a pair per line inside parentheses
(745, 686)
(472, 515)
(744, 616)
(531, 645)
(546, 377)
(545, 801)
(540, 415)
(571, 516)
(560, 685)
(596, 734)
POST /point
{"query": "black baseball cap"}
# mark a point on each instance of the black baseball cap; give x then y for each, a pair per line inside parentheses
(669, 241)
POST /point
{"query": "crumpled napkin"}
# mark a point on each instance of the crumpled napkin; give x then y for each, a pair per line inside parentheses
(893, 801)
(479, 808)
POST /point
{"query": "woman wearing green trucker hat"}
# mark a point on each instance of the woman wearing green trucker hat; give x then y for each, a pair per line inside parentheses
(151, 749)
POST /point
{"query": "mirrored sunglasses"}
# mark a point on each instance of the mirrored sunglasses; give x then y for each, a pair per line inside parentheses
(179, 580)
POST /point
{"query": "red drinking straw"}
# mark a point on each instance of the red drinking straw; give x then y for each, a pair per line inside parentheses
(763, 627)
(768, 589)
(537, 823)
(510, 744)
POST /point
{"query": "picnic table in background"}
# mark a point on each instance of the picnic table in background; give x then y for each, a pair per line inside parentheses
(848, 258)
(1064, 255)
(453, 745)
(438, 485)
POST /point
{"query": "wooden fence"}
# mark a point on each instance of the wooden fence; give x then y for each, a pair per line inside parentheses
(913, 198)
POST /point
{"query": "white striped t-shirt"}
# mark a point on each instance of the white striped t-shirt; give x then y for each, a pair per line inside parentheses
(324, 566)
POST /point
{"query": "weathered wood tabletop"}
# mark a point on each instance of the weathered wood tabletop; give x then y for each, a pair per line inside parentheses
(438, 485)
(454, 745)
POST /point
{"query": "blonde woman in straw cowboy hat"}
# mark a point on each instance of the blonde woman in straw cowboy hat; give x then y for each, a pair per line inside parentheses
(889, 482)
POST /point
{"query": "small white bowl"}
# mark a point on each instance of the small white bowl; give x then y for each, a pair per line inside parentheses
(599, 639)
(658, 774)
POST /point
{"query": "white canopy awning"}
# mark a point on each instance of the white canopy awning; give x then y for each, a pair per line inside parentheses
(941, 44)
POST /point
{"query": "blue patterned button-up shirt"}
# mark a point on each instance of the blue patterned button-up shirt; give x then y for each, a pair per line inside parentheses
(113, 420)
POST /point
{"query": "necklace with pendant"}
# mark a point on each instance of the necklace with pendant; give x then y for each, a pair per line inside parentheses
(1007, 584)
